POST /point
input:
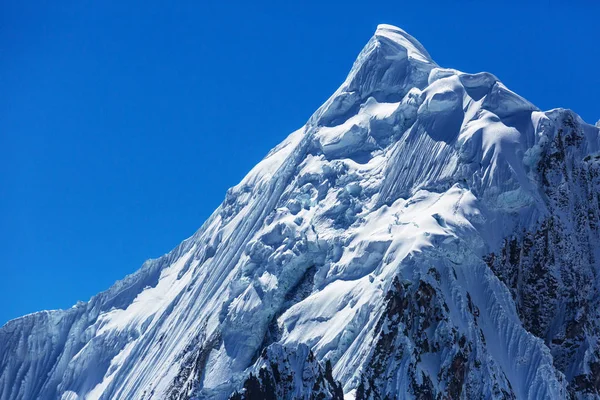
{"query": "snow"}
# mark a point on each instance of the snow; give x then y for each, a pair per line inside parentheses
(115, 364)
(149, 302)
(414, 48)
(410, 172)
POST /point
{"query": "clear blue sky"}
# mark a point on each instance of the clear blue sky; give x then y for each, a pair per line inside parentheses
(122, 124)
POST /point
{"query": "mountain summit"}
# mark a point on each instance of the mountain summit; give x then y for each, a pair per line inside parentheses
(427, 234)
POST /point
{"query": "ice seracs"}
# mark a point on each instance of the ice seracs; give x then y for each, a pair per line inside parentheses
(428, 233)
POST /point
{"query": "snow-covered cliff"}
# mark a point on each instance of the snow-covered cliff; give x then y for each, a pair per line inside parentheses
(427, 234)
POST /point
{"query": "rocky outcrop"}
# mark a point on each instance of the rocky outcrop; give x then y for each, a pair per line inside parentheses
(551, 267)
(289, 373)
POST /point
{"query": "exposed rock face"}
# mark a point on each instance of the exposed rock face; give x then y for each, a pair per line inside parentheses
(427, 234)
(551, 267)
(290, 373)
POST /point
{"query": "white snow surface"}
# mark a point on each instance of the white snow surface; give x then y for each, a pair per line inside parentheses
(407, 167)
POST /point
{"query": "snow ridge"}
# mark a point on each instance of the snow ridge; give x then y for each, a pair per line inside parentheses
(428, 233)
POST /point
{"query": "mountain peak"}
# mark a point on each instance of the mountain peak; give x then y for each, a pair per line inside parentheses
(426, 234)
(390, 65)
(413, 47)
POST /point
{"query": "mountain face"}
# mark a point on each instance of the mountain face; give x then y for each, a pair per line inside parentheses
(427, 234)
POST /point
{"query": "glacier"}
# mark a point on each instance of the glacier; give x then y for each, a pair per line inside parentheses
(428, 233)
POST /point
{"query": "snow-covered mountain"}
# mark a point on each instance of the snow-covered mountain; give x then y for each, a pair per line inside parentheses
(427, 234)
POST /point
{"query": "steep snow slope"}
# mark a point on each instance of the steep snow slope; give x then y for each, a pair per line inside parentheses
(428, 233)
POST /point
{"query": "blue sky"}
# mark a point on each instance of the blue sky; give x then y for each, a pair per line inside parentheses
(122, 124)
